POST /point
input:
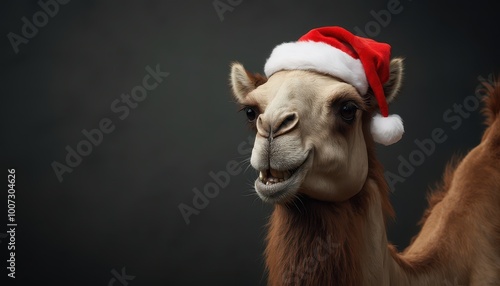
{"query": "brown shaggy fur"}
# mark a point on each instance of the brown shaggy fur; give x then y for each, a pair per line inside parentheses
(319, 243)
(471, 211)
(439, 192)
(490, 110)
(492, 102)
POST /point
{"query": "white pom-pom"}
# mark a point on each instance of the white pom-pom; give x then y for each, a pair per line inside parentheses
(387, 130)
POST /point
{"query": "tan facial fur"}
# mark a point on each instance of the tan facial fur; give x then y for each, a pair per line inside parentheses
(301, 136)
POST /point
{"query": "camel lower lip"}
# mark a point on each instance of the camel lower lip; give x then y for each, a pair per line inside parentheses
(272, 191)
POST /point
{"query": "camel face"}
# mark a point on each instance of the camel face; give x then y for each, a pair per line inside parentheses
(309, 134)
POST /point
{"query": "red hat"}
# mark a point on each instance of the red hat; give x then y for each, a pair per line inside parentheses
(358, 61)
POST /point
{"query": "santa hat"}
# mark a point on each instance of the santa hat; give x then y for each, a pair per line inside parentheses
(358, 61)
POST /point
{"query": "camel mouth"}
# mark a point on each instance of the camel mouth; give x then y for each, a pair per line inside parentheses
(272, 176)
(276, 186)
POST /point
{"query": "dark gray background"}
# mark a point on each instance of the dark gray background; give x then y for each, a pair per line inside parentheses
(119, 207)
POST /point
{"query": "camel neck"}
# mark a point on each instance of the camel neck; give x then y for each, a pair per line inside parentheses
(319, 243)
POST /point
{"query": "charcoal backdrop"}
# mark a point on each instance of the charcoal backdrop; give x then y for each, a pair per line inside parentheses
(115, 218)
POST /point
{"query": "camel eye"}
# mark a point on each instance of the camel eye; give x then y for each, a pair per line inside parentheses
(348, 111)
(250, 113)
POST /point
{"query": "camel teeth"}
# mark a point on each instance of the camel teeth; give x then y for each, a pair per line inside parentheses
(272, 176)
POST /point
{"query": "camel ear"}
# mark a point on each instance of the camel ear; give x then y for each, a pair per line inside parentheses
(392, 86)
(243, 82)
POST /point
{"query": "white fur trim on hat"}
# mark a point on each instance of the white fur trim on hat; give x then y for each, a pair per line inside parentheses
(387, 130)
(319, 57)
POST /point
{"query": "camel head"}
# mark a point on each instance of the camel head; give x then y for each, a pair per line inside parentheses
(312, 131)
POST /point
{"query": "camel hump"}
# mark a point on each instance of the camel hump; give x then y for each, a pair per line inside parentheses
(491, 110)
(491, 101)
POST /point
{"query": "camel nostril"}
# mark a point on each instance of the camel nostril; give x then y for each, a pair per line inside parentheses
(287, 124)
(288, 119)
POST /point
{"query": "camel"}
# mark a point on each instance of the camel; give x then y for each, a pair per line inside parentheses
(315, 154)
